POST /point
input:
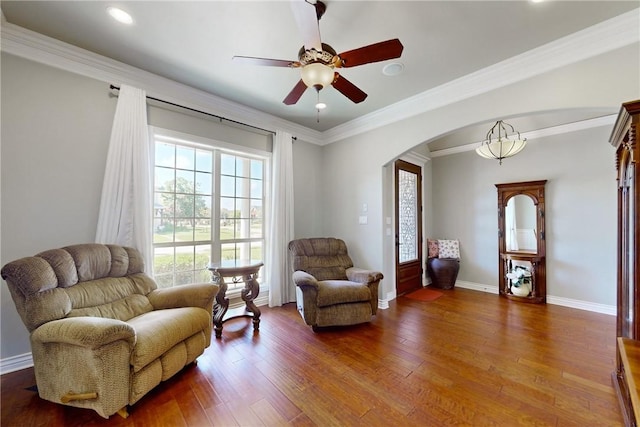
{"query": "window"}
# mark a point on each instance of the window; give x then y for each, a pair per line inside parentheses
(208, 207)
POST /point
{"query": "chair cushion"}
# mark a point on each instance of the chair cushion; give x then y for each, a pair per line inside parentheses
(121, 298)
(159, 330)
(328, 273)
(325, 258)
(332, 292)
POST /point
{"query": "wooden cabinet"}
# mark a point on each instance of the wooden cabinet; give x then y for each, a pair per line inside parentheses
(521, 241)
(625, 139)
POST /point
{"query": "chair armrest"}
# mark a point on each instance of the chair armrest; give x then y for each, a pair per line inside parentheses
(87, 332)
(363, 276)
(193, 295)
(304, 279)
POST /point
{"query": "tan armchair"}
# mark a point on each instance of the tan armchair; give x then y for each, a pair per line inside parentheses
(330, 291)
(102, 334)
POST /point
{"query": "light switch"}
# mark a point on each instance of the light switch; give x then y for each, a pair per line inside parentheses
(363, 219)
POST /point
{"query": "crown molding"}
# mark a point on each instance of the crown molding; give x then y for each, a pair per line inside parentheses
(606, 36)
(416, 158)
(537, 134)
(49, 51)
(600, 38)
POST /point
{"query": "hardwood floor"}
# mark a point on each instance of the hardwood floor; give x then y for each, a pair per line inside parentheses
(467, 358)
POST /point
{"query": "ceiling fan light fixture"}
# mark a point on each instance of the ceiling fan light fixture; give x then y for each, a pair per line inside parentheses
(317, 74)
(502, 147)
(317, 61)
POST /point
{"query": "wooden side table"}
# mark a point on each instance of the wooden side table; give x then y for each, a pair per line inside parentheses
(238, 271)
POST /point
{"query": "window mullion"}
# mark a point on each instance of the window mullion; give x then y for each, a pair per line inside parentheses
(216, 253)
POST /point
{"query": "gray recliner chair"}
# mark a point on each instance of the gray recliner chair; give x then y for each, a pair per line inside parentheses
(330, 291)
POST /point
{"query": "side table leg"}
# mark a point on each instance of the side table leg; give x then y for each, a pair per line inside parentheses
(250, 293)
(220, 307)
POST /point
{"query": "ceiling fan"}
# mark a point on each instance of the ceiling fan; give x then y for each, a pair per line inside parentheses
(317, 61)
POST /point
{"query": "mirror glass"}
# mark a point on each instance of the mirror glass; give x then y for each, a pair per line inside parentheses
(630, 225)
(520, 225)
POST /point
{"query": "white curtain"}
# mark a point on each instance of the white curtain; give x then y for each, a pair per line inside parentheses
(510, 225)
(125, 205)
(281, 287)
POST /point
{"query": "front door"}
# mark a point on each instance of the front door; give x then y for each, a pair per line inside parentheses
(408, 214)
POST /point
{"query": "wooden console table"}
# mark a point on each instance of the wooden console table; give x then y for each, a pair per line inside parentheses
(240, 271)
(538, 292)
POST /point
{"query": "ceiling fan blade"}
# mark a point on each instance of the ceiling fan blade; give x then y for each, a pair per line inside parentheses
(307, 21)
(250, 60)
(295, 93)
(373, 53)
(348, 89)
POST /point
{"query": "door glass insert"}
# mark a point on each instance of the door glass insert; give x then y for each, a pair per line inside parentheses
(408, 216)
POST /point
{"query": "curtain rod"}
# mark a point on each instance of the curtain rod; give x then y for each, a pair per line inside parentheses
(113, 87)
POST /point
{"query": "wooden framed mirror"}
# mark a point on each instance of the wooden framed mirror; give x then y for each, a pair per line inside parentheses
(521, 241)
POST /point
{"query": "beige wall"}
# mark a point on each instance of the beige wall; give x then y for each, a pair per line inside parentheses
(308, 189)
(603, 81)
(580, 215)
(55, 133)
(187, 122)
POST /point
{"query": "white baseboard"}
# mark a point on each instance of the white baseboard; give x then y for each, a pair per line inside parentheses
(15, 363)
(582, 305)
(477, 287)
(236, 302)
(383, 303)
(565, 302)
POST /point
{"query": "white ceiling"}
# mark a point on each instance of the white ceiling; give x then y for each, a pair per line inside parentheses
(193, 43)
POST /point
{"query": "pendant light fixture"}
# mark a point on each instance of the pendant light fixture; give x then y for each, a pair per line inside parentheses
(502, 147)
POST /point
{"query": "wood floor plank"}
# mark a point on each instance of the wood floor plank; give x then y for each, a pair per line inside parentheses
(221, 415)
(267, 414)
(467, 358)
(191, 408)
